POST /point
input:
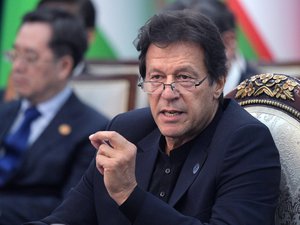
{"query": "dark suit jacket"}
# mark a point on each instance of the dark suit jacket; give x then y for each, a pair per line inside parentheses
(54, 163)
(2, 92)
(232, 179)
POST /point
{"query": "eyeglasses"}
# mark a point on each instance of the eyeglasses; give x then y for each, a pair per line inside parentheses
(155, 87)
(28, 58)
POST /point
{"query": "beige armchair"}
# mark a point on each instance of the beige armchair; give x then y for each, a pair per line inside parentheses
(274, 99)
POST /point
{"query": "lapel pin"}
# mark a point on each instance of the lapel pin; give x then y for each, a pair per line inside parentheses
(196, 168)
(64, 129)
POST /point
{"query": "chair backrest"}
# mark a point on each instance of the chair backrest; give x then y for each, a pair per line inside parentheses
(112, 67)
(109, 94)
(275, 100)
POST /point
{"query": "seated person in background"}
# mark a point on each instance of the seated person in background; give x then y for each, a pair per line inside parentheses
(85, 10)
(189, 158)
(82, 8)
(44, 145)
(239, 68)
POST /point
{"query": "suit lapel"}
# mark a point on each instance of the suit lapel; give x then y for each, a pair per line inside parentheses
(51, 135)
(190, 170)
(9, 112)
(148, 150)
(195, 160)
(60, 127)
(146, 157)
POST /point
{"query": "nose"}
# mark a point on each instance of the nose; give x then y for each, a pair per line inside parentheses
(169, 91)
(19, 59)
(169, 82)
(172, 86)
(18, 64)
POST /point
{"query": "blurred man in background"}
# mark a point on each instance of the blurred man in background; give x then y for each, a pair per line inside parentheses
(85, 10)
(44, 145)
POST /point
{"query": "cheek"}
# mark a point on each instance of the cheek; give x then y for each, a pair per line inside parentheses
(40, 80)
(153, 101)
(200, 104)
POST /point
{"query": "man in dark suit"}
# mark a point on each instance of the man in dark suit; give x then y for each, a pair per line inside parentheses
(192, 157)
(42, 159)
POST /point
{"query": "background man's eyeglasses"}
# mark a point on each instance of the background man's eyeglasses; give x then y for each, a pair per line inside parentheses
(28, 58)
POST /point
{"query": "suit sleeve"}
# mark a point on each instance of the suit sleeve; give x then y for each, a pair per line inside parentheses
(84, 155)
(77, 206)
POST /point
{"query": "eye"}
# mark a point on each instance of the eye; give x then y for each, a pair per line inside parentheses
(11, 55)
(184, 77)
(31, 58)
(155, 77)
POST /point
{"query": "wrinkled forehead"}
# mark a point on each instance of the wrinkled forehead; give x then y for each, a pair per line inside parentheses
(177, 54)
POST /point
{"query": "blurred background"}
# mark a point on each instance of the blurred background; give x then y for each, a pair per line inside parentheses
(268, 31)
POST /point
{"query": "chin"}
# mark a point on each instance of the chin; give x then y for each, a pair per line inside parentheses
(171, 133)
(23, 94)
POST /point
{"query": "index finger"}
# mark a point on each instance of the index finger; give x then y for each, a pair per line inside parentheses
(110, 138)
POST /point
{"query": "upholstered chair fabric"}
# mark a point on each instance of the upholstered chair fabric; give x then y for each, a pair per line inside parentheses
(274, 99)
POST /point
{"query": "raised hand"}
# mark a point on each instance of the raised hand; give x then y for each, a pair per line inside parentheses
(115, 160)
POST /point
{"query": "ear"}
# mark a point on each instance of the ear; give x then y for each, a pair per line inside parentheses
(219, 86)
(65, 66)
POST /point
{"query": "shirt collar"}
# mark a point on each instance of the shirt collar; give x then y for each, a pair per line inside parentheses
(51, 106)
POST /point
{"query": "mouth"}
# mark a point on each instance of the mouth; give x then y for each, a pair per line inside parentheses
(171, 113)
(18, 78)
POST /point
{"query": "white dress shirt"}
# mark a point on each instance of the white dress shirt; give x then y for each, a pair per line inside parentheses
(48, 110)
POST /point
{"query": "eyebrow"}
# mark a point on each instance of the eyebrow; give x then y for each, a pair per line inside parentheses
(188, 69)
(178, 70)
(26, 50)
(155, 71)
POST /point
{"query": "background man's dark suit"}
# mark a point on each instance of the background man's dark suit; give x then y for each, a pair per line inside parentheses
(248, 71)
(1, 95)
(54, 163)
(232, 179)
